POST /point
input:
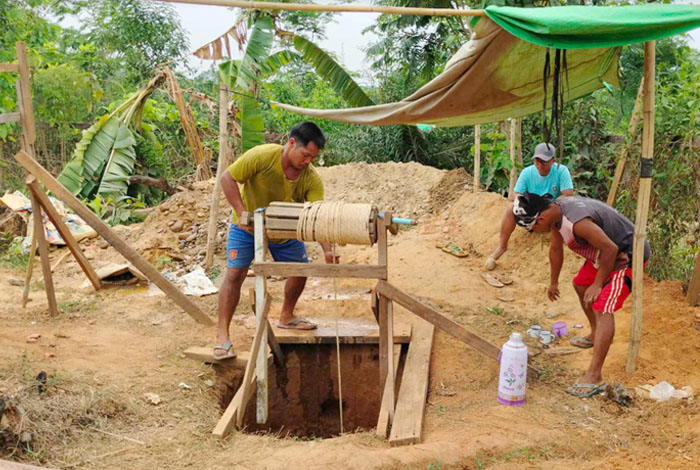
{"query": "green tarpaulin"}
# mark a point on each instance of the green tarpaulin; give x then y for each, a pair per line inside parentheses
(497, 74)
(585, 27)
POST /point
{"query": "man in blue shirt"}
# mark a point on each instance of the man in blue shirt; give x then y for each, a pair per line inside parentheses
(544, 178)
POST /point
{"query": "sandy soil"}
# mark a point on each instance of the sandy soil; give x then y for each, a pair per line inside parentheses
(107, 349)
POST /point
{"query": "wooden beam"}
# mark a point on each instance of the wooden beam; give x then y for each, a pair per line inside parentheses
(640, 224)
(694, 284)
(334, 8)
(319, 270)
(206, 354)
(349, 332)
(6, 67)
(262, 308)
(111, 237)
(271, 338)
(30, 270)
(10, 117)
(477, 159)
(631, 132)
(407, 427)
(44, 253)
(220, 168)
(289, 225)
(445, 324)
(234, 408)
(383, 421)
(280, 234)
(27, 108)
(64, 232)
(384, 349)
(513, 169)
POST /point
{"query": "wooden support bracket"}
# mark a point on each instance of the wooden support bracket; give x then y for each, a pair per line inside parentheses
(44, 253)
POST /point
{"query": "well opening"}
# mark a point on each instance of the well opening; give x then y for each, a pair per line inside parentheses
(303, 394)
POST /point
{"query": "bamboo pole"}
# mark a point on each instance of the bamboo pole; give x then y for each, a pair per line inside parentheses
(477, 158)
(642, 206)
(334, 8)
(513, 169)
(631, 132)
(694, 284)
(520, 141)
(220, 166)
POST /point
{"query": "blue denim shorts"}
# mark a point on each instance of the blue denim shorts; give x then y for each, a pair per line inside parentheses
(240, 249)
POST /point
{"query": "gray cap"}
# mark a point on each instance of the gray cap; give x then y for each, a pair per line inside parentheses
(544, 152)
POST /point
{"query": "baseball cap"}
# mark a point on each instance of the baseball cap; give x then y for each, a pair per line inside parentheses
(527, 207)
(544, 152)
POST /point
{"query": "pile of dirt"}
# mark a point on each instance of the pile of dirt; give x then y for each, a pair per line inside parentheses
(452, 185)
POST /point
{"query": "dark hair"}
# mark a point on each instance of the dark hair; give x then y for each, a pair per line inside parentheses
(306, 132)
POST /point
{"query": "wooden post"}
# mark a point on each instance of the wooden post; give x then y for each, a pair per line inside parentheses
(220, 166)
(520, 141)
(44, 253)
(24, 100)
(477, 158)
(111, 237)
(30, 268)
(694, 284)
(72, 245)
(640, 226)
(260, 295)
(631, 132)
(513, 168)
(384, 346)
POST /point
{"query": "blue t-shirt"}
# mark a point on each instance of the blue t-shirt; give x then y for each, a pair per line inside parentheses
(558, 180)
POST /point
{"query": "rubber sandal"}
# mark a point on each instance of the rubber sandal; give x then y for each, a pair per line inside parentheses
(229, 353)
(581, 342)
(593, 389)
(492, 281)
(298, 323)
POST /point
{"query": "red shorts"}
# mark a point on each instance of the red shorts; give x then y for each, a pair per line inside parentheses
(616, 288)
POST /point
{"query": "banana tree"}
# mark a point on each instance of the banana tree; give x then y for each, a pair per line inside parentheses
(245, 76)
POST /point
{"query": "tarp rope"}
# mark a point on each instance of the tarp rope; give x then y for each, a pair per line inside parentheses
(335, 222)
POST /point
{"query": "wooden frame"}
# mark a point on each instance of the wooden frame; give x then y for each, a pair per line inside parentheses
(477, 158)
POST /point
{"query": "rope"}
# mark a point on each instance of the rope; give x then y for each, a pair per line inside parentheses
(335, 222)
(337, 355)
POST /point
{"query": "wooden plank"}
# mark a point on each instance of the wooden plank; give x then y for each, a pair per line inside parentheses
(319, 270)
(7, 465)
(206, 354)
(694, 284)
(29, 128)
(293, 205)
(350, 331)
(445, 324)
(640, 223)
(407, 427)
(112, 238)
(271, 338)
(9, 117)
(44, 254)
(220, 167)
(254, 351)
(477, 158)
(261, 311)
(513, 169)
(6, 67)
(281, 224)
(30, 270)
(64, 232)
(282, 212)
(631, 132)
(383, 342)
(280, 234)
(234, 409)
(383, 420)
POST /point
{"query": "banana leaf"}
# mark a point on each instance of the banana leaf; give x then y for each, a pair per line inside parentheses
(256, 53)
(120, 165)
(253, 128)
(276, 61)
(331, 72)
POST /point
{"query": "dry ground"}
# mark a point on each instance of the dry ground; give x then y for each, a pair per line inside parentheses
(112, 347)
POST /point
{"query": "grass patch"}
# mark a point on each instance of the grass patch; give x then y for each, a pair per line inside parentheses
(11, 255)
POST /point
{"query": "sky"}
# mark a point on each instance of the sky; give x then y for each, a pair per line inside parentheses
(205, 23)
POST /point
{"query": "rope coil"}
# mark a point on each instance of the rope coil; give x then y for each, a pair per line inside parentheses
(336, 222)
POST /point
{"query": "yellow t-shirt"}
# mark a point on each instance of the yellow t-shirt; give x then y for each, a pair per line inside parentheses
(260, 172)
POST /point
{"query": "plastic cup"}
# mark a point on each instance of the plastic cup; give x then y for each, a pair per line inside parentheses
(559, 328)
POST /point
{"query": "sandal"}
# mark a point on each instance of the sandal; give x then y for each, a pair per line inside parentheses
(593, 389)
(228, 352)
(492, 281)
(298, 323)
(581, 342)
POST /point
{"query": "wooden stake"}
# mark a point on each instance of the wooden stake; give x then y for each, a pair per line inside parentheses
(261, 312)
(44, 253)
(24, 92)
(694, 285)
(30, 268)
(64, 232)
(477, 158)
(111, 237)
(631, 133)
(220, 167)
(520, 141)
(640, 226)
(334, 8)
(513, 168)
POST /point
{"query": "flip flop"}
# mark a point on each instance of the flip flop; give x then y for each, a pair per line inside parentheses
(454, 249)
(593, 389)
(505, 280)
(581, 342)
(298, 323)
(227, 347)
(492, 281)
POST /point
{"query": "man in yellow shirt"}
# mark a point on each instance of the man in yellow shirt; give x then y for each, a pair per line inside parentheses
(268, 173)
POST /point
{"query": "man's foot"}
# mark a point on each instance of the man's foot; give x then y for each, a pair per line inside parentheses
(224, 351)
(297, 323)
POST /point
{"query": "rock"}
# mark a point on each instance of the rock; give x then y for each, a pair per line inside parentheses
(15, 281)
(177, 226)
(33, 338)
(176, 257)
(103, 244)
(152, 398)
(184, 235)
(552, 314)
(191, 237)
